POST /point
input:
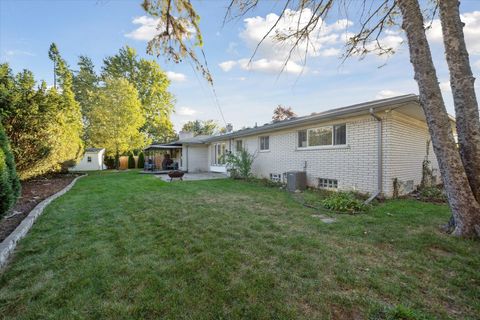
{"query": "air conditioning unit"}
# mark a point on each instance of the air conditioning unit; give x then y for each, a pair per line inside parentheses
(296, 180)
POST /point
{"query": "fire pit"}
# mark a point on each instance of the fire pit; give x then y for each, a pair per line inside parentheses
(176, 174)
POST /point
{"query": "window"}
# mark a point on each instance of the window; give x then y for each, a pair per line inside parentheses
(323, 136)
(239, 145)
(327, 183)
(89, 159)
(340, 134)
(219, 153)
(264, 143)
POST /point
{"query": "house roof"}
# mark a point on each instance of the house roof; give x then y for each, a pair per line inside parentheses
(94, 149)
(200, 139)
(352, 110)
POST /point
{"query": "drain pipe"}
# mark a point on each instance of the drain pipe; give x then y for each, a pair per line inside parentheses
(379, 158)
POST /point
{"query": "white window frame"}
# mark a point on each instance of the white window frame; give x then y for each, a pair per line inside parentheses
(324, 145)
(260, 144)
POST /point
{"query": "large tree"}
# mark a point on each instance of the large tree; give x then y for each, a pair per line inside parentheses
(152, 85)
(283, 113)
(201, 127)
(178, 18)
(116, 118)
(38, 123)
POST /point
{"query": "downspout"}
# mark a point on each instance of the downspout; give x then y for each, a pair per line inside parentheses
(186, 158)
(379, 158)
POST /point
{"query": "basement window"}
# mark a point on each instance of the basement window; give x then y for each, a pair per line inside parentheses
(276, 177)
(327, 183)
(89, 159)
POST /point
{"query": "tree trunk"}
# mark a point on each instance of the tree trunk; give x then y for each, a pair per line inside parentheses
(464, 98)
(465, 208)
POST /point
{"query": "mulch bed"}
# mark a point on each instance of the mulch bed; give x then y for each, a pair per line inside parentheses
(34, 191)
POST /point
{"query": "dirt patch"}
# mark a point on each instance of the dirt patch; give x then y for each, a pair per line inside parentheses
(34, 191)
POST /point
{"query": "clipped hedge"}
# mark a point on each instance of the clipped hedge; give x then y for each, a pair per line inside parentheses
(9, 183)
(141, 161)
(131, 161)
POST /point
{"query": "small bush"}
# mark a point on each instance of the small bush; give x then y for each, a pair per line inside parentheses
(344, 202)
(269, 183)
(141, 161)
(240, 164)
(432, 194)
(131, 161)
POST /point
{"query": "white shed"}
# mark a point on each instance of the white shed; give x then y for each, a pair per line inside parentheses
(92, 160)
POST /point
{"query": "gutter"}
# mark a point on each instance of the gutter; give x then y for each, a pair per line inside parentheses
(379, 158)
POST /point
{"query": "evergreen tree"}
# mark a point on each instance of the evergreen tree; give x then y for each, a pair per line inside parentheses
(85, 83)
(141, 161)
(131, 161)
(9, 182)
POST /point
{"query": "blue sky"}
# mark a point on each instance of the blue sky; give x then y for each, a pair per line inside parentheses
(247, 93)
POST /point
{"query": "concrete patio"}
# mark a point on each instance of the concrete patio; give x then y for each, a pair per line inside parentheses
(195, 176)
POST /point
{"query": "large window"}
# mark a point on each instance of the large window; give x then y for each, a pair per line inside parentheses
(323, 136)
(264, 143)
(219, 153)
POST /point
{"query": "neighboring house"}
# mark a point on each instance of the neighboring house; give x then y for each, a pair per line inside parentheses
(92, 160)
(363, 147)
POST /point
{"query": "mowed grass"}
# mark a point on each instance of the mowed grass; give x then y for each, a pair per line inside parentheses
(129, 246)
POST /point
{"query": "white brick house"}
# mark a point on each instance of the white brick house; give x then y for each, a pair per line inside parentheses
(362, 147)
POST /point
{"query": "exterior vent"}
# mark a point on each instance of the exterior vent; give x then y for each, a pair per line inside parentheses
(276, 177)
(327, 183)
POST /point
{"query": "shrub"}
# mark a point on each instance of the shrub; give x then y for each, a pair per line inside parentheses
(109, 162)
(434, 194)
(344, 202)
(141, 161)
(240, 164)
(131, 161)
(9, 182)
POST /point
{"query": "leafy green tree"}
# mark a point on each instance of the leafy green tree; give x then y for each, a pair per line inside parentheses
(152, 85)
(9, 183)
(240, 164)
(116, 118)
(199, 127)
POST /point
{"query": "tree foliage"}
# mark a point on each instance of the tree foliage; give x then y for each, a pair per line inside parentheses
(283, 113)
(152, 85)
(9, 183)
(240, 164)
(85, 83)
(43, 125)
(201, 127)
(116, 118)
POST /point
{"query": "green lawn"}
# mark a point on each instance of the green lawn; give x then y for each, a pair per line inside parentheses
(129, 246)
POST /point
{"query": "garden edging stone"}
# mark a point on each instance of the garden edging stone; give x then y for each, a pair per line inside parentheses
(9, 243)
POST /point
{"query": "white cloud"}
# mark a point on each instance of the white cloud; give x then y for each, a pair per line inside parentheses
(148, 28)
(227, 65)
(176, 76)
(383, 94)
(323, 37)
(270, 66)
(11, 53)
(445, 86)
(471, 31)
(186, 111)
